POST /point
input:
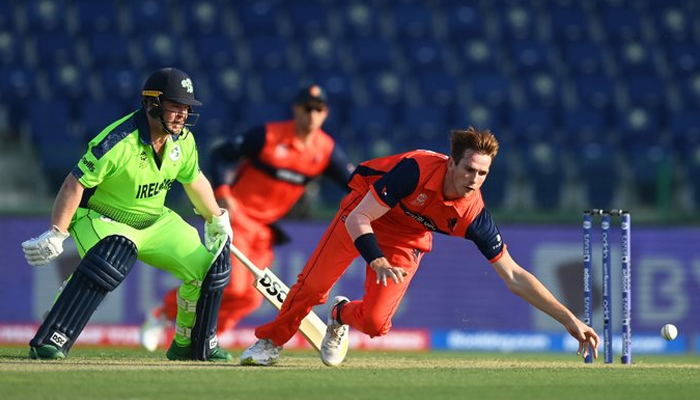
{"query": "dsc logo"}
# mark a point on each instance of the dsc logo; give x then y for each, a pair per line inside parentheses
(58, 339)
(273, 287)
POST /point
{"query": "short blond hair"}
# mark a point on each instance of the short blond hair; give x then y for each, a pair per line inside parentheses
(480, 141)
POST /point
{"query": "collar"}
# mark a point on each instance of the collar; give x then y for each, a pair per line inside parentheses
(435, 183)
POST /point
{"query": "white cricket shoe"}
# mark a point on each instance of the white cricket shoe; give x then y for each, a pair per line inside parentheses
(263, 352)
(153, 330)
(334, 346)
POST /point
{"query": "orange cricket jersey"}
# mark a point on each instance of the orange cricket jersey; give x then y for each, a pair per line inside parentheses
(267, 186)
(411, 185)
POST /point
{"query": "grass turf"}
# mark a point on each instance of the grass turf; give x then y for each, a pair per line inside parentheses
(121, 373)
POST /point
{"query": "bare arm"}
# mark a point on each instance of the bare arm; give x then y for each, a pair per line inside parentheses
(67, 202)
(527, 286)
(359, 223)
(201, 195)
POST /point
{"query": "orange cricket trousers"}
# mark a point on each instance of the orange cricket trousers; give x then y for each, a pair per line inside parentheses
(240, 298)
(334, 253)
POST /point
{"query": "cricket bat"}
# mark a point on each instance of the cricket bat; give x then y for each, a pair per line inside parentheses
(275, 291)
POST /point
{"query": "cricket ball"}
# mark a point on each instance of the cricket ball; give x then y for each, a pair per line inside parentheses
(669, 332)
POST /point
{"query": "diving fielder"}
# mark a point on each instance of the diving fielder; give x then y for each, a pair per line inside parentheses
(113, 203)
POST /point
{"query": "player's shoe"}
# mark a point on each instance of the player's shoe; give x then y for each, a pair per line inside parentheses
(154, 329)
(334, 346)
(263, 353)
(184, 353)
(46, 352)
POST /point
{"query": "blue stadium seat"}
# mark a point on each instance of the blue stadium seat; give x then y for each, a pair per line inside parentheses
(426, 127)
(385, 87)
(463, 20)
(11, 48)
(482, 117)
(68, 81)
(598, 172)
(585, 125)
(280, 85)
(622, 23)
(531, 55)
(95, 115)
(516, 22)
(532, 124)
(584, 58)
(204, 17)
(673, 23)
(216, 119)
(542, 89)
(8, 16)
(439, 88)
(424, 54)
(121, 82)
(158, 50)
(55, 48)
(267, 52)
(228, 84)
(492, 89)
(308, 18)
(372, 54)
(638, 125)
(46, 16)
(646, 90)
(216, 50)
(689, 90)
(96, 16)
(544, 168)
(108, 48)
(413, 20)
(650, 164)
(320, 53)
(259, 114)
(636, 57)
(479, 56)
(596, 91)
(18, 88)
(684, 126)
(359, 20)
(684, 58)
(495, 188)
(568, 23)
(371, 121)
(258, 17)
(148, 16)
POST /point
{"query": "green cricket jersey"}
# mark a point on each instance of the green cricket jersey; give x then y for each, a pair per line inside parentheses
(129, 180)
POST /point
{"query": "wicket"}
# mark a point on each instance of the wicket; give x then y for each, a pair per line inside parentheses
(625, 244)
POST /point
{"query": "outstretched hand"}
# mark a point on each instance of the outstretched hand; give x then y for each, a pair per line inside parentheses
(587, 338)
(385, 270)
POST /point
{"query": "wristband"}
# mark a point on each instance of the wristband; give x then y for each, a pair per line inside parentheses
(368, 247)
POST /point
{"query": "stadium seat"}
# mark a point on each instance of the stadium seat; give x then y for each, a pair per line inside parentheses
(205, 17)
(45, 16)
(599, 173)
(121, 82)
(684, 126)
(228, 84)
(482, 117)
(689, 90)
(673, 23)
(425, 127)
(320, 53)
(412, 20)
(95, 115)
(148, 17)
(158, 50)
(372, 54)
(492, 89)
(11, 48)
(108, 48)
(359, 20)
(636, 57)
(638, 125)
(480, 56)
(596, 91)
(568, 23)
(532, 124)
(267, 52)
(339, 86)
(371, 121)
(68, 81)
(8, 16)
(684, 58)
(424, 54)
(531, 56)
(652, 168)
(258, 18)
(439, 88)
(495, 188)
(544, 169)
(216, 120)
(646, 90)
(385, 87)
(516, 22)
(542, 89)
(258, 114)
(308, 18)
(584, 58)
(96, 16)
(462, 20)
(280, 85)
(585, 125)
(622, 23)
(216, 50)
(18, 88)
(55, 48)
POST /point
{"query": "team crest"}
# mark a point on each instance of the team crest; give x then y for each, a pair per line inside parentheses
(175, 153)
(187, 84)
(420, 200)
(143, 160)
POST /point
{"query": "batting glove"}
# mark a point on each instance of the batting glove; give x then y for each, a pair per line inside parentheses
(219, 225)
(40, 251)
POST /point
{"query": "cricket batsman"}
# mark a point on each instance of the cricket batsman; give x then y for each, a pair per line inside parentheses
(113, 204)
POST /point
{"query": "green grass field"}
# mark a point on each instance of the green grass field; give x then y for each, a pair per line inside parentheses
(131, 374)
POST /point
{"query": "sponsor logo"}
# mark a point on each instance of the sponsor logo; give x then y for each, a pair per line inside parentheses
(58, 339)
(213, 343)
(175, 153)
(88, 164)
(143, 160)
(187, 84)
(499, 242)
(419, 200)
(422, 219)
(153, 189)
(290, 176)
(273, 287)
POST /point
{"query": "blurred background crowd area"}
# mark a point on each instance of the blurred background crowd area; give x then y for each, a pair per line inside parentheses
(595, 102)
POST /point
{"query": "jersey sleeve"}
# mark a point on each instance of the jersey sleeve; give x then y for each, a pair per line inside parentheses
(92, 170)
(189, 172)
(339, 169)
(398, 182)
(485, 234)
(227, 154)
